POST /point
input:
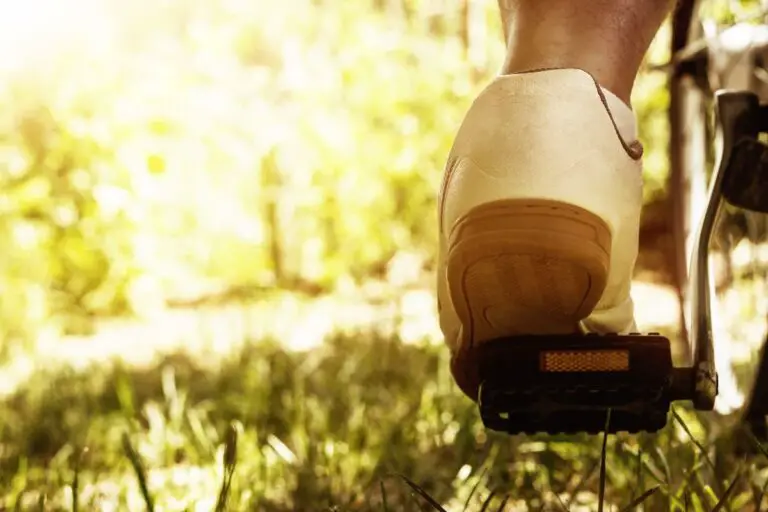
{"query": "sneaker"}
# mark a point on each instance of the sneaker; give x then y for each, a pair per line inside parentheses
(539, 215)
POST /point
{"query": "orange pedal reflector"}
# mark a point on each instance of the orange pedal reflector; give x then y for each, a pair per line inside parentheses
(584, 361)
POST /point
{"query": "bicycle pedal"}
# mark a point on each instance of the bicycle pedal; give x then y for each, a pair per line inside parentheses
(566, 384)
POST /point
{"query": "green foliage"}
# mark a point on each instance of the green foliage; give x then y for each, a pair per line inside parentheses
(198, 146)
(194, 147)
(345, 425)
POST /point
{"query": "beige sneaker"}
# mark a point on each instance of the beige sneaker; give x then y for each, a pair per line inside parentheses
(539, 214)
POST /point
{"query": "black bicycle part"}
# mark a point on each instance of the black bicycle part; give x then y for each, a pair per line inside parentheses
(745, 185)
(566, 384)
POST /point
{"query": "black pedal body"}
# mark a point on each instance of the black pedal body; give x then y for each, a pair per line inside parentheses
(567, 383)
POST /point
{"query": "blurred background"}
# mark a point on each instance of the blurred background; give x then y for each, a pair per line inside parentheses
(225, 210)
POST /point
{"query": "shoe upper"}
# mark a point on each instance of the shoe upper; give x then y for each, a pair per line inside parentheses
(551, 134)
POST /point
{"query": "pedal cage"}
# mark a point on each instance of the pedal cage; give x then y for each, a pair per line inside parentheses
(566, 384)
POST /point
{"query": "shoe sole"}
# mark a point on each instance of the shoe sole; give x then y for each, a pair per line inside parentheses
(523, 267)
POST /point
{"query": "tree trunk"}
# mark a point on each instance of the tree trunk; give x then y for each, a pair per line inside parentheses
(271, 182)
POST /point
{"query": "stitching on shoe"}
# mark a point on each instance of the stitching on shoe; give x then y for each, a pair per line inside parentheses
(450, 166)
(634, 149)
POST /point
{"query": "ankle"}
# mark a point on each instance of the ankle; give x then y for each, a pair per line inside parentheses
(606, 38)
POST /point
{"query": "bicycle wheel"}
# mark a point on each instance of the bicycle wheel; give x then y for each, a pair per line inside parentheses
(720, 45)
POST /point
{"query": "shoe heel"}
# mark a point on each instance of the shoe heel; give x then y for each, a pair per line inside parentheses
(526, 267)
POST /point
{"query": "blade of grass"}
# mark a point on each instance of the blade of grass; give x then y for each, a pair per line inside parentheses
(124, 392)
(694, 470)
(756, 442)
(664, 464)
(76, 490)
(724, 499)
(762, 494)
(739, 500)
(383, 496)
(640, 499)
(421, 492)
(474, 489)
(229, 463)
(487, 502)
(560, 501)
(639, 467)
(580, 485)
(674, 499)
(701, 448)
(711, 494)
(503, 504)
(138, 468)
(652, 469)
(667, 475)
(692, 479)
(695, 441)
(601, 491)
(76, 480)
(18, 499)
(755, 494)
(698, 479)
(697, 502)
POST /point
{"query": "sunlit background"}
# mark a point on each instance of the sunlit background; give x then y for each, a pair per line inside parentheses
(217, 210)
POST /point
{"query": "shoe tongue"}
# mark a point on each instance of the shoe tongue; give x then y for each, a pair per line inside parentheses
(623, 116)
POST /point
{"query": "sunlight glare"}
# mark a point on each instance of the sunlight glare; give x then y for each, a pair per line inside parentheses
(464, 472)
(39, 31)
(729, 397)
(281, 449)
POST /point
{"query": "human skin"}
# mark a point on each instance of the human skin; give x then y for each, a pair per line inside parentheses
(606, 38)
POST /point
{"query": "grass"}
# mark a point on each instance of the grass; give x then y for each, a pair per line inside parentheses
(363, 423)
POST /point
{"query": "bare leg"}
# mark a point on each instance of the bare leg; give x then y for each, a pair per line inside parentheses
(606, 38)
